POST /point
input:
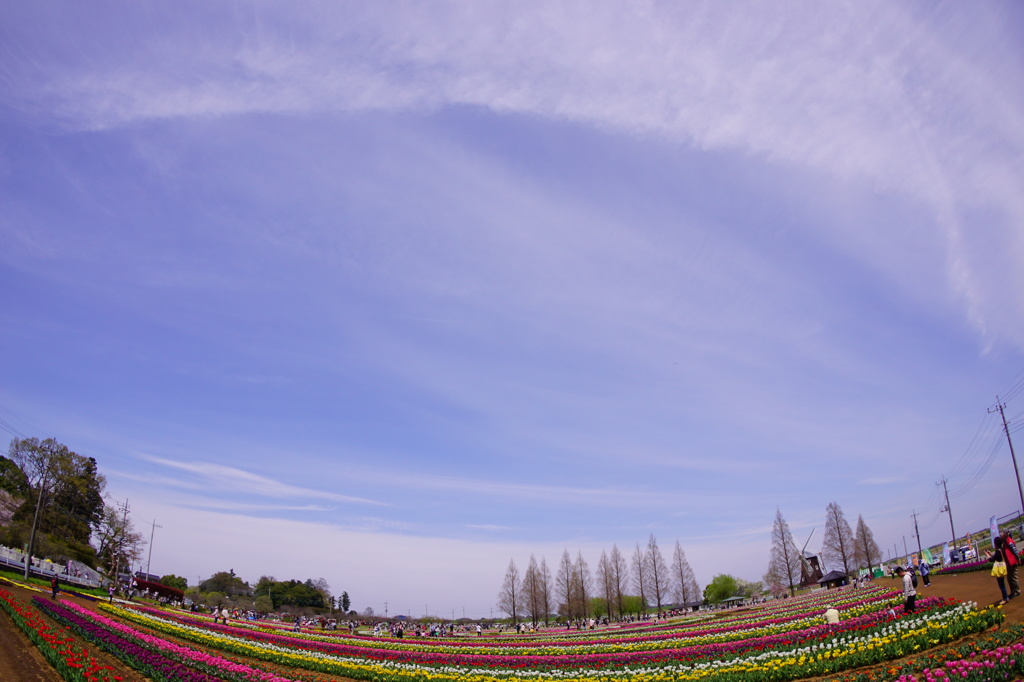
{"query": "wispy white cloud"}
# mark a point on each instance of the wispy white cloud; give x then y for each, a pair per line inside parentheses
(867, 93)
(218, 477)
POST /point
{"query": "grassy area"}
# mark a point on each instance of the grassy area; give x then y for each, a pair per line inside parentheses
(44, 583)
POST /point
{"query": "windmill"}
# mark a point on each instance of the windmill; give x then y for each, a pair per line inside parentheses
(810, 569)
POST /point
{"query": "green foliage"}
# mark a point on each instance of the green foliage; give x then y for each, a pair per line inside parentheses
(345, 602)
(174, 581)
(67, 489)
(720, 588)
(225, 582)
(632, 604)
(12, 479)
(292, 593)
(264, 604)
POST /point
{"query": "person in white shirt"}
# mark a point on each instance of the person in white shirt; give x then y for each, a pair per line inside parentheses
(908, 589)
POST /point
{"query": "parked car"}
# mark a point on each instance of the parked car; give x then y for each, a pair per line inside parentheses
(961, 554)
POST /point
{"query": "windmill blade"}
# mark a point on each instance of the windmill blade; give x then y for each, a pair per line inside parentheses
(808, 540)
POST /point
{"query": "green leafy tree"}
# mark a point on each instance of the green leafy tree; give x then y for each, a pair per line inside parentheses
(225, 582)
(264, 604)
(632, 603)
(177, 582)
(294, 593)
(12, 479)
(213, 598)
(345, 602)
(61, 496)
(720, 588)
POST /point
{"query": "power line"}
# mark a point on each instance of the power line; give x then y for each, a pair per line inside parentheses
(964, 488)
(10, 428)
(988, 426)
(1015, 388)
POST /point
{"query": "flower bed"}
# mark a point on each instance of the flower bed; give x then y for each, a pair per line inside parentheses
(147, 662)
(74, 664)
(981, 565)
(866, 639)
(216, 666)
(796, 615)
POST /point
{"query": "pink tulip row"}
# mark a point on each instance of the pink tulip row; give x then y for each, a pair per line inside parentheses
(182, 652)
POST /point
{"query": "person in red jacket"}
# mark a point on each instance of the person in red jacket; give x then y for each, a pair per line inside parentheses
(1012, 560)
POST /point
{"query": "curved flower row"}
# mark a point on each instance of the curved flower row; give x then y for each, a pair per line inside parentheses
(74, 664)
(854, 607)
(730, 624)
(687, 649)
(851, 649)
(149, 663)
(218, 666)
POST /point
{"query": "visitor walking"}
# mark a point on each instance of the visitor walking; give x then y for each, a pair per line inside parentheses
(999, 570)
(54, 588)
(908, 589)
(925, 572)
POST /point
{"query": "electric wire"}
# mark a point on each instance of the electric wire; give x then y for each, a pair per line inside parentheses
(982, 437)
(11, 429)
(1015, 388)
(964, 488)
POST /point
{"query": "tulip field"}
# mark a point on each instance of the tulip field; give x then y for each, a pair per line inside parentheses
(785, 639)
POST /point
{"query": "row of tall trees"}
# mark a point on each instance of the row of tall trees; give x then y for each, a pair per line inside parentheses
(842, 549)
(619, 587)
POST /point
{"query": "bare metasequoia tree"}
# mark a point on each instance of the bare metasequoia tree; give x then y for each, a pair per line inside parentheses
(784, 564)
(866, 553)
(684, 583)
(658, 575)
(837, 547)
(510, 596)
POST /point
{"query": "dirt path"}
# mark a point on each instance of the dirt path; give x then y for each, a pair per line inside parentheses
(20, 661)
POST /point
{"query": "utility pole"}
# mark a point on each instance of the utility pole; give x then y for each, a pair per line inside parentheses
(947, 509)
(35, 520)
(1006, 429)
(151, 532)
(120, 543)
(917, 532)
(906, 552)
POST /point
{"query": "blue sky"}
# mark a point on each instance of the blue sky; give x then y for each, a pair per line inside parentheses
(393, 293)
